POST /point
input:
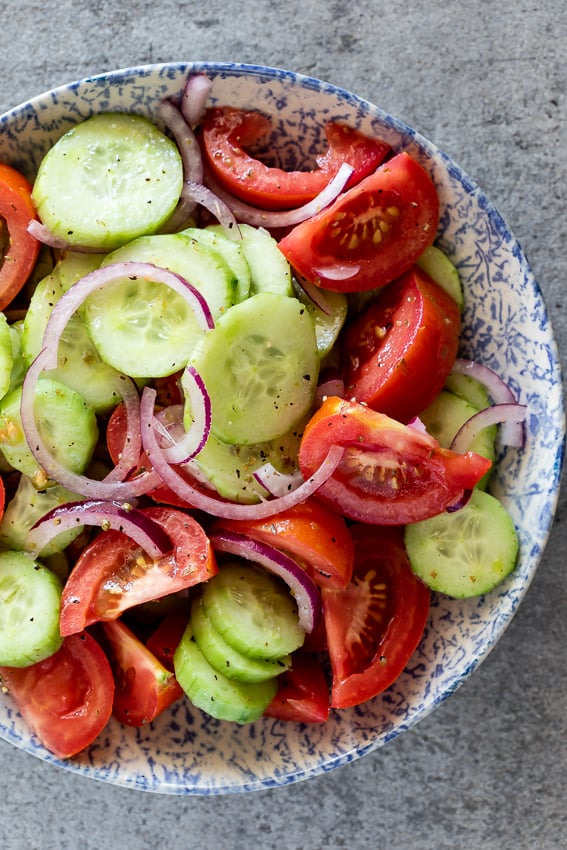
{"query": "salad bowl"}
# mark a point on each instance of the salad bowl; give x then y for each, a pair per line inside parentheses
(505, 326)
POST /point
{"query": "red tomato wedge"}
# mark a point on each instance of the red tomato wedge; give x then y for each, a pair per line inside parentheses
(113, 574)
(390, 474)
(143, 686)
(303, 693)
(18, 250)
(227, 132)
(398, 352)
(65, 699)
(371, 234)
(163, 641)
(316, 534)
(374, 626)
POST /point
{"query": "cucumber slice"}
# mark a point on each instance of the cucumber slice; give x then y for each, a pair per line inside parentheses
(26, 506)
(468, 388)
(230, 468)
(439, 267)
(327, 325)
(269, 269)
(226, 659)
(253, 611)
(465, 553)
(145, 329)
(260, 367)
(443, 418)
(214, 693)
(19, 366)
(231, 251)
(80, 365)
(72, 266)
(66, 422)
(6, 355)
(30, 596)
(108, 180)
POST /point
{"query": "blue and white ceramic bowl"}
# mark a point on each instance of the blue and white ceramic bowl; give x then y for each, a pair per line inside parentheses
(506, 327)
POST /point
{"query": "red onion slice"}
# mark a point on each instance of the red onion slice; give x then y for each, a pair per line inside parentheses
(185, 140)
(338, 271)
(495, 415)
(119, 516)
(44, 235)
(286, 218)
(127, 390)
(215, 506)
(80, 484)
(512, 433)
(189, 443)
(200, 194)
(314, 293)
(300, 583)
(275, 482)
(194, 98)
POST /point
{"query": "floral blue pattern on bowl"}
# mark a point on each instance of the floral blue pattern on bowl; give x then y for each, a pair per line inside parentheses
(506, 327)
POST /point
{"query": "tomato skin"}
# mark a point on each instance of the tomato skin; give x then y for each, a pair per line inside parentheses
(163, 641)
(65, 699)
(374, 626)
(143, 686)
(398, 352)
(113, 574)
(390, 474)
(17, 210)
(372, 233)
(303, 693)
(228, 131)
(313, 532)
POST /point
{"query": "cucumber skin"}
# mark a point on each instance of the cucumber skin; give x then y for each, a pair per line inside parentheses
(214, 693)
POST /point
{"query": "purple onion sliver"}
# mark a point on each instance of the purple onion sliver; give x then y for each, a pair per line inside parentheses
(194, 98)
(512, 415)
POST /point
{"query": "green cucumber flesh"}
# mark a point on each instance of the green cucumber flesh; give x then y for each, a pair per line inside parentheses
(260, 366)
(269, 269)
(253, 611)
(30, 597)
(231, 251)
(214, 693)
(6, 355)
(225, 658)
(108, 180)
(437, 265)
(467, 552)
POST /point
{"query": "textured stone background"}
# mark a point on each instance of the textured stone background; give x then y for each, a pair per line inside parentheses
(486, 82)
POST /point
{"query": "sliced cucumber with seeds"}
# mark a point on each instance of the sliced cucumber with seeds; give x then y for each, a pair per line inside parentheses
(230, 468)
(260, 367)
(66, 422)
(28, 505)
(467, 552)
(253, 611)
(225, 658)
(30, 597)
(437, 265)
(443, 419)
(142, 327)
(79, 364)
(108, 180)
(213, 692)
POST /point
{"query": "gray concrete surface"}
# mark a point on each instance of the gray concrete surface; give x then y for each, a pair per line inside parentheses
(487, 82)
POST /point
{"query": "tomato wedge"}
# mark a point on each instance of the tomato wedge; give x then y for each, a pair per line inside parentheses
(303, 692)
(398, 352)
(371, 234)
(163, 641)
(227, 132)
(313, 532)
(65, 699)
(18, 249)
(113, 574)
(390, 474)
(374, 626)
(143, 686)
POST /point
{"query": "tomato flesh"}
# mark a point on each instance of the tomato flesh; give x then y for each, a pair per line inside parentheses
(143, 686)
(374, 625)
(371, 234)
(314, 533)
(66, 699)
(398, 352)
(390, 473)
(113, 574)
(303, 693)
(227, 132)
(18, 249)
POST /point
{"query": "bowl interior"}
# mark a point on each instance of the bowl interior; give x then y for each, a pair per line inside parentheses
(506, 327)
